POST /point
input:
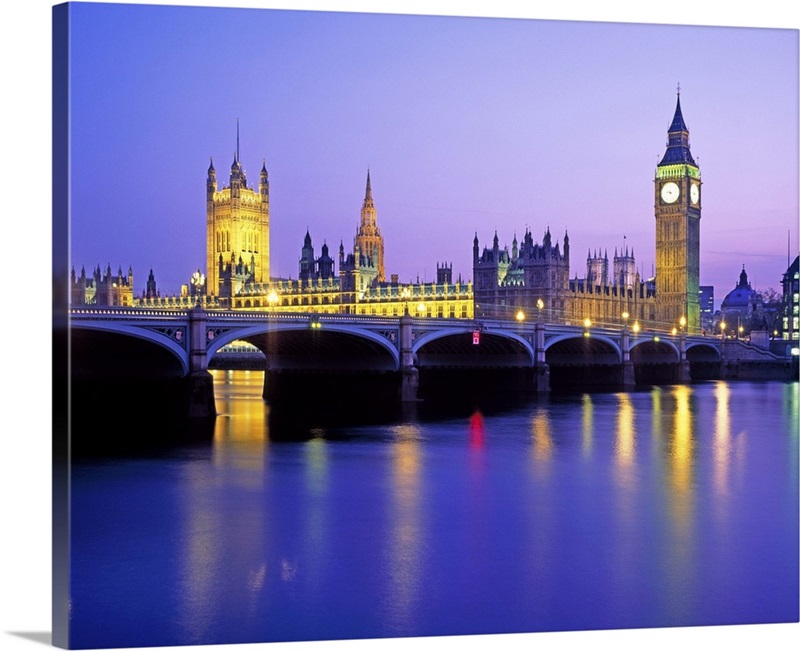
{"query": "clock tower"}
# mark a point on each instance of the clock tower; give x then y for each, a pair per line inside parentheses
(677, 211)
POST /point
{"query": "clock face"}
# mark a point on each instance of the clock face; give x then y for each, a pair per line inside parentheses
(670, 192)
(694, 193)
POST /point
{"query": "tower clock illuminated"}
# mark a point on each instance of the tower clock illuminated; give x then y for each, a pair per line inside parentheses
(677, 213)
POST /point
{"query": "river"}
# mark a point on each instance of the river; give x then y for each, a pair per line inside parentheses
(667, 506)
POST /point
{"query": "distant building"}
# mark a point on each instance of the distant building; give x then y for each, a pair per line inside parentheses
(706, 295)
(102, 288)
(742, 307)
(532, 274)
(791, 301)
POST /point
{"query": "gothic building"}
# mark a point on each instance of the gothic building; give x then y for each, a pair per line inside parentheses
(535, 278)
(369, 241)
(102, 288)
(356, 287)
(506, 282)
(677, 211)
(237, 224)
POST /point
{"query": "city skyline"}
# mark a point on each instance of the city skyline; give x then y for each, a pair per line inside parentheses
(27, 574)
(466, 125)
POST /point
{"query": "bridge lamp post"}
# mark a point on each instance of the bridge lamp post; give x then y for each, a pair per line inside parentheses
(587, 323)
(405, 294)
(421, 310)
(636, 327)
(539, 306)
(272, 299)
(625, 317)
(722, 326)
(683, 323)
(520, 316)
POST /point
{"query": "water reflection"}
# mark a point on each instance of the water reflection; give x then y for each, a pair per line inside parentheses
(316, 470)
(722, 439)
(241, 430)
(587, 423)
(542, 436)
(681, 556)
(625, 443)
(405, 541)
(643, 518)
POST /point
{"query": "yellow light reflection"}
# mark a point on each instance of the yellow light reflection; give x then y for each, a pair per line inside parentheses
(241, 427)
(406, 545)
(624, 446)
(722, 438)
(682, 444)
(587, 421)
(316, 456)
(542, 436)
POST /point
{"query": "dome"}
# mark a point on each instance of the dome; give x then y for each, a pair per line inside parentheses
(741, 297)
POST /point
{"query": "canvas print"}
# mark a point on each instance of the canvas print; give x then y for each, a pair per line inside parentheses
(379, 326)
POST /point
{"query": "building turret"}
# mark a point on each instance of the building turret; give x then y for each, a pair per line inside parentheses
(369, 240)
(237, 220)
(307, 270)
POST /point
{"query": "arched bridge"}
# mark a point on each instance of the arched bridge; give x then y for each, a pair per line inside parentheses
(142, 344)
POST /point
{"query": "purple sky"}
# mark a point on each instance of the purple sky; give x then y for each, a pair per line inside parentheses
(724, 100)
(467, 124)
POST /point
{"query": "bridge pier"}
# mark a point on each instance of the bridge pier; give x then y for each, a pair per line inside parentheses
(199, 382)
(683, 372)
(409, 374)
(541, 369)
(628, 375)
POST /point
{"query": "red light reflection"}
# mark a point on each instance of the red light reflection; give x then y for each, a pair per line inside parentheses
(476, 431)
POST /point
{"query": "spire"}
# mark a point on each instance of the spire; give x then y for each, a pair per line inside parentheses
(211, 169)
(677, 139)
(368, 195)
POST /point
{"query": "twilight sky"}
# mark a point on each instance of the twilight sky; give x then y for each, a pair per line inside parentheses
(466, 124)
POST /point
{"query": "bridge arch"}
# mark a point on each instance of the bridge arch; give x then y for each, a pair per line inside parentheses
(699, 351)
(158, 339)
(574, 344)
(454, 347)
(298, 345)
(655, 351)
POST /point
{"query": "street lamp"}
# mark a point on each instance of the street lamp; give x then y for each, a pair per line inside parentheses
(421, 309)
(272, 299)
(405, 294)
(540, 306)
(636, 327)
(722, 326)
(683, 322)
(587, 323)
(520, 316)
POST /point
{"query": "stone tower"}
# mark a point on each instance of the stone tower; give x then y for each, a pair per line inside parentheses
(369, 241)
(237, 223)
(677, 213)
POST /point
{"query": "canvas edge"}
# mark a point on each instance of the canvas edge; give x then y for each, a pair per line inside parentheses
(60, 341)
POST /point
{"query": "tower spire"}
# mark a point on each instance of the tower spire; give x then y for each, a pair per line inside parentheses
(237, 140)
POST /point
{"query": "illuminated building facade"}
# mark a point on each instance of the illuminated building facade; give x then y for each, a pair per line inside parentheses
(357, 287)
(369, 241)
(677, 213)
(237, 224)
(535, 278)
